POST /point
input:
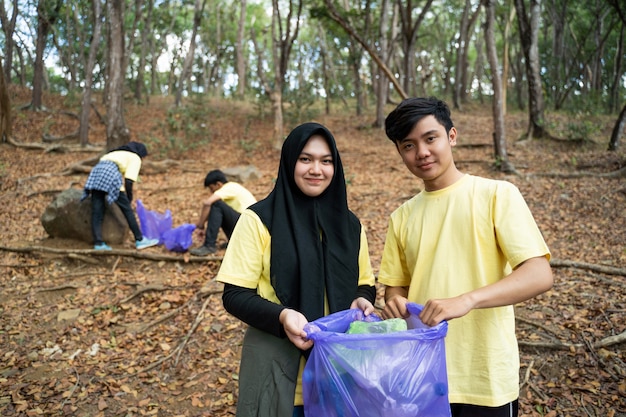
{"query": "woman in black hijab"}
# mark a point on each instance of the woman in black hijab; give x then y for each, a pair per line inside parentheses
(295, 256)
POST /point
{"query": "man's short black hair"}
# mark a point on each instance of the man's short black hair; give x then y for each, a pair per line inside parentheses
(215, 176)
(402, 119)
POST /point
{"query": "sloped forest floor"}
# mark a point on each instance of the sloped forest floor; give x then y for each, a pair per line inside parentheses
(132, 333)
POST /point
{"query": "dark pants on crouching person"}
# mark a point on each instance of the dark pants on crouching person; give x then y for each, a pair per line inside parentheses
(221, 215)
(98, 207)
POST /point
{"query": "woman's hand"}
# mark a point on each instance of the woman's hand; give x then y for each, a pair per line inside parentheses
(293, 322)
(363, 304)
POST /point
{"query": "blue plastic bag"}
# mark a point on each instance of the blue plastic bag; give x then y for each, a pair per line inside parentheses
(153, 224)
(399, 374)
(180, 238)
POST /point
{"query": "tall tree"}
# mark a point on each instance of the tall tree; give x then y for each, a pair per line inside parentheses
(337, 17)
(47, 14)
(499, 135)
(284, 33)
(241, 61)
(5, 109)
(8, 28)
(186, 71)
(83, 129)
(117, 132)
(529, 32)
(140, 87)
(409, 31)
(620, 123)
(461, 70)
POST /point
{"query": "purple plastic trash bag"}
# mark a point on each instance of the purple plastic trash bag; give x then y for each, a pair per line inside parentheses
(153, 224)
(180, 238)
(399, 374)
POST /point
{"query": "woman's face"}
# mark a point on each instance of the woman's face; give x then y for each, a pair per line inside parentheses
(314, 169)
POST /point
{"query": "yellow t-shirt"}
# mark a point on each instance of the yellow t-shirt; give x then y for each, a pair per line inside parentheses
(444, 243)
(246, 264)
(236, 196)
(129, 164)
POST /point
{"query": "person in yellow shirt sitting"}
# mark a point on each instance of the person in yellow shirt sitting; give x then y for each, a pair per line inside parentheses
(220, 210)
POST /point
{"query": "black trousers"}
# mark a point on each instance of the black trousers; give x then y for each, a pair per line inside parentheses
(221, 215)
(98, 207)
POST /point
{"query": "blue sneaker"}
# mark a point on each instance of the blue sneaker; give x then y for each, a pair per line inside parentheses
(102, 246)
(146, 243)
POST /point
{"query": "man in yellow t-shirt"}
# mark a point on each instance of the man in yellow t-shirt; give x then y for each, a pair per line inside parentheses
(221, 210)
(467, 248)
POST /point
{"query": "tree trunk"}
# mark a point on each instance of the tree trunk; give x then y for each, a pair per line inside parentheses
(499, 137)
(117, 132)
(382, 83)
(409, 39)
(618, 129)
(529, 32)
(505, 59)
(241, 62)
(188, 63)
(83, 129)
(8, 28)
(145, 47)
(5, 108)
(45, 20)
(334, 15)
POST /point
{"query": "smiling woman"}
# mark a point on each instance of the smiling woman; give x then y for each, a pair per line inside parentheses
(317, 252)
(314, 169)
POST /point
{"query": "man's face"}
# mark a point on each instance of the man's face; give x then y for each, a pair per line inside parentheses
(427, 152)
(215, 187)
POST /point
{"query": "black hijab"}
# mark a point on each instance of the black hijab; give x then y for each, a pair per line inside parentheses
(134, 147)
(303, 267)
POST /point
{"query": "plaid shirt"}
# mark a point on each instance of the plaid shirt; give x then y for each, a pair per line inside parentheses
(105, 176)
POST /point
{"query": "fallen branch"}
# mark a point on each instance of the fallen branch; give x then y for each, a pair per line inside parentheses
(607, 341)
(133, 253)
(609, 270)
(580, 174)
(196, 323)
(141, 290)
(59, 288)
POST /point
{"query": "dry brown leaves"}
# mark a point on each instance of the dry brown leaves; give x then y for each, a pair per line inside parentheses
(71, 345)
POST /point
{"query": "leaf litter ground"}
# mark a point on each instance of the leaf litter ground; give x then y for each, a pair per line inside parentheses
(128, 336)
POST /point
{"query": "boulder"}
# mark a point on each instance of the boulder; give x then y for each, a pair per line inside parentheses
(68, 217)
(242, 173)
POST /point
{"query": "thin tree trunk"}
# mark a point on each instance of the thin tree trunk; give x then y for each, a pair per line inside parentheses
(5, 108)
(529, 32)
(117, 132)
(83, 129)
(141, 68)
(45, 20)
(499, 137)
(619, 127)
(8, 27)
(186, 72)
(241, 62)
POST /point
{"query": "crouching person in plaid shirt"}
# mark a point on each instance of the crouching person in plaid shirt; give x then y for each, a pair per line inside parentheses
(112, 180)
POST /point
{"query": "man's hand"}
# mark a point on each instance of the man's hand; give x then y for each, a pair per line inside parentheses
(395, 307)
(435, 311)
(293, 322)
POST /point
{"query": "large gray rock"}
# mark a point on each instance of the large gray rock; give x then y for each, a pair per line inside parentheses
(68, 217)
(242, 173)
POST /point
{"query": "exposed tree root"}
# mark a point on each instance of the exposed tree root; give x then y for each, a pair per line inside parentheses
(133, 253)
